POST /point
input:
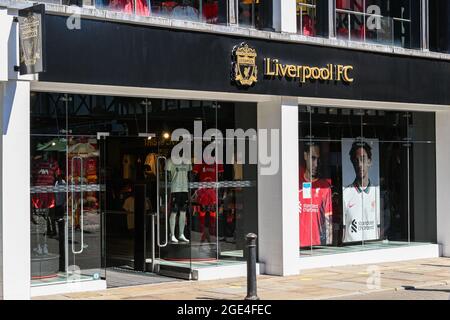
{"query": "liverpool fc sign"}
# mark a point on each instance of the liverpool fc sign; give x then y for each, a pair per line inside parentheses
(244, 69)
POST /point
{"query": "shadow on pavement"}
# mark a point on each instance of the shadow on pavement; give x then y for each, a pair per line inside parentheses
(409, 288)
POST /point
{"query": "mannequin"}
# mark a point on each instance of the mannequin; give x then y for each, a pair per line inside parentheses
(179, 187)
(208, 172)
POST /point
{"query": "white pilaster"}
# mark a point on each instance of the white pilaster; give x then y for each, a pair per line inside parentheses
(443, 180)
(14, 167)
(2, 89)
(278, 220)
(285, 16)
(4, 24)
(3, 79)
(15, 200)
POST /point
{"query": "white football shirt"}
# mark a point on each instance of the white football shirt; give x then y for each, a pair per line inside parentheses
(179, 176)
(361, 213)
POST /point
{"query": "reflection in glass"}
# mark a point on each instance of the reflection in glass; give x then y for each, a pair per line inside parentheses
(306, 17)
(209, 11)
(380, 22)
(248, 13)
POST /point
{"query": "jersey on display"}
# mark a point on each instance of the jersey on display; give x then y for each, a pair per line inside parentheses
(238, 172)
(91, 169)
(129, 166)
(44, 174)
(211, 12)
(207, 172)
(128, 206)
(141, 7)
(361, 213)
(315, 204)
(150, 164)
(179, 181)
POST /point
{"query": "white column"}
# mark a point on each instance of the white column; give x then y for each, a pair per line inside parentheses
(4, 23)
(443, 180)
(14, 168)
(3, 79)
(15, 200)
(1, 201)
(285, 16)
(278, 219)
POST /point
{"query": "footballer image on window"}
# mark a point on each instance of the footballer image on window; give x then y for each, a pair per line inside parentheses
(361, 190)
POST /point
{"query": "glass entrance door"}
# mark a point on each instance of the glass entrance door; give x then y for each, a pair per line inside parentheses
(139, 226)
(65, 192)
(83, 214)
(128, 201)
(159, 215)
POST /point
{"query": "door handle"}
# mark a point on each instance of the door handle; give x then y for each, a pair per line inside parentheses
(158, 199)
(81, 207)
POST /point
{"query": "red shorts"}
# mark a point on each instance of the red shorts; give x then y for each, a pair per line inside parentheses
(207, 197)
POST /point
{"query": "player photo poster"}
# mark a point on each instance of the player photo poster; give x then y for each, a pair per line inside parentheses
(361, 189)
(315, 195)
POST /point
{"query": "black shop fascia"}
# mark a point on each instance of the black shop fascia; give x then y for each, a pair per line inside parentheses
(245, 71)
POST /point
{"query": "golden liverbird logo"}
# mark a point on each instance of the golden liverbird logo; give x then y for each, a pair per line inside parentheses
(244, 69)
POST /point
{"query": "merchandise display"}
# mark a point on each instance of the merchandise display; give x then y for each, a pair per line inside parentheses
(191, 10)
(44, 173)
(207, 197)
(366, 161)
(315, 200)
(361, 197)
(315, 206)
(179, 188)
(56, 203)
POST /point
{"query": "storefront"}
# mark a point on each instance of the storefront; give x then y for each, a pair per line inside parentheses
(367, 179)
(127, 204)
(350, 154)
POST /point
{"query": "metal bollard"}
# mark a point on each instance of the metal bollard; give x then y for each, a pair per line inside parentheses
(251, 267)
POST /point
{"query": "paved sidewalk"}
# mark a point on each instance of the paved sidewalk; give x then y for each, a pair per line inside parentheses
(357, 282)
(441, 292)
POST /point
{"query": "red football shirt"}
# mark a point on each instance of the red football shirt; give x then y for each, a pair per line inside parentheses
(91, 169)
(44, 174)
(207, 172)
(312, 210)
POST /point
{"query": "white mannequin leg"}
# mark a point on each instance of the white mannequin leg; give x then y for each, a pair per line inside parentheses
(181, 226)
(172, 222)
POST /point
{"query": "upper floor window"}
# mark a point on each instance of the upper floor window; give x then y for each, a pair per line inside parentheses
(248, 13)
(439, 26)
(377, 21)
(209, 11)
(307, 17)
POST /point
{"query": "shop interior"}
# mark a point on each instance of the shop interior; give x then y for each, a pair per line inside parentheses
(106, 195)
